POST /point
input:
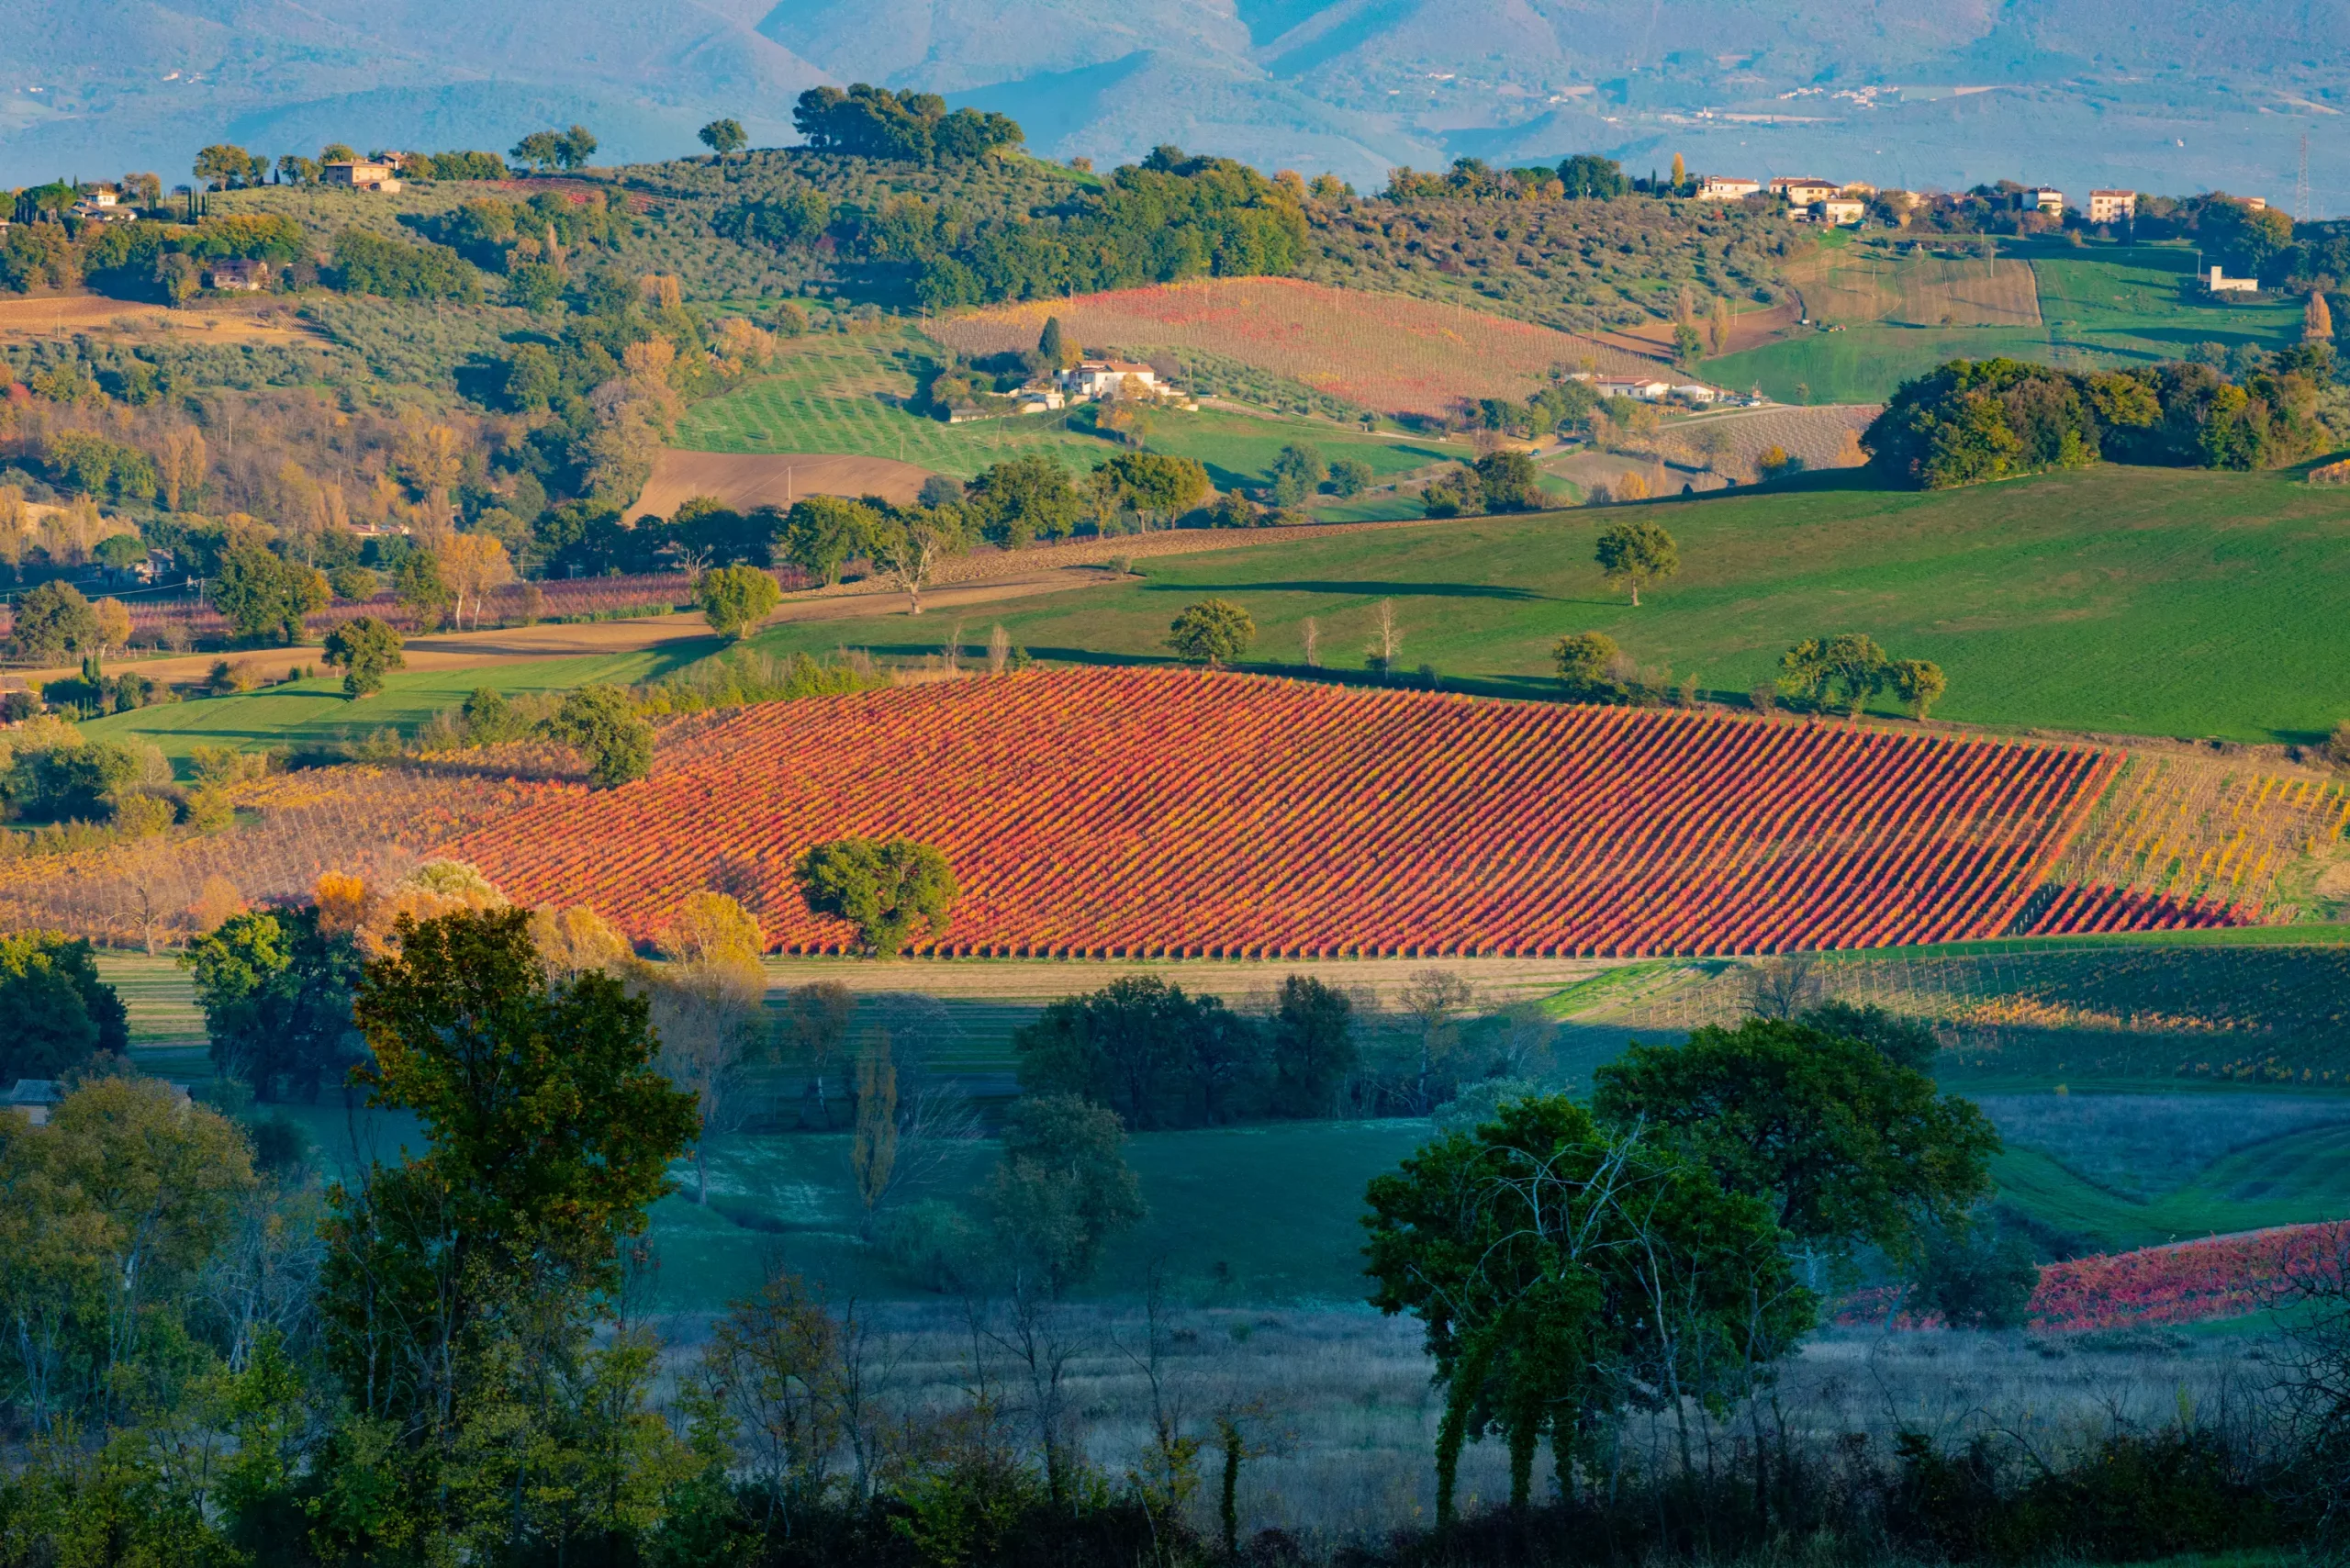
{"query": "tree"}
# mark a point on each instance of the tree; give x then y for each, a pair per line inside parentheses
(113, 621)
(1586, 664)
(1564, 1273)
(602, 725)
(1918, 683)
(1157, 1057)
(2317, 320)
(724, 136)
(1850, 1146)
(471, 565)
(60, 1012)
(873, 1146)
(883, 887)
(1052, 351)
(262, 594)
(1213, 632)
(1296, 470)
(574, 148)
(1434, 997)
(540, 149)
(1312, 1044)
(1972, 1273)
(734, 599)
(52, 619)
(1022, 499)
(366, 649)
(223, 164)
(707, 1008)
(1509, 481)
(1590, 177)
(1062, 1188)
(1718, 330)
(276, 989)
(1152, 484)
(1635, 551)
(821, 534)
(1349, 477)
(815, 1025)
(907, 545)
(461, 1287)
(1905, 1042)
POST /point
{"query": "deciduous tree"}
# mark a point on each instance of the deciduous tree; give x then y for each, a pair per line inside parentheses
(1062, 1188)
(734, 599)
(1635, 551)
(883, 887)
(366, 649)
(724, 136)
(602, 725)
(1213, 632)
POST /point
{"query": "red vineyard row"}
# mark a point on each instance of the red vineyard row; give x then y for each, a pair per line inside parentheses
(2088, 911)
(1137, 814)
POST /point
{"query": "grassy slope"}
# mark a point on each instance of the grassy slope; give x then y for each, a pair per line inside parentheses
(2102, 306)
(845, 395)
(2145, 601)
(311, 710)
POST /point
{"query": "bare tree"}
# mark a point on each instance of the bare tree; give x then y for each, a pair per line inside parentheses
(708, 1015)
(1435, 997)
(999, 650)
(1312, 634)
(1784, 986)
(1386, 641)
(813, 1032)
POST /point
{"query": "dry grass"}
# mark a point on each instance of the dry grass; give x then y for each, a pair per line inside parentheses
(58, 315)
(1385, 352)
(1853, 286)
(1342, 1399)
(1826, 436)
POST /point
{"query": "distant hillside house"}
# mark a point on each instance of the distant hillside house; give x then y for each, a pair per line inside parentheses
(1039, 400)
(1839, 211)
(237, 274)
(363, 176)
(2220, 283)
(1802, 190)
(2113, 207)
(1109, 379)
(2042, 198)
(1859, 189)
(1640, 389)
(1719, 187)
(34, 1097)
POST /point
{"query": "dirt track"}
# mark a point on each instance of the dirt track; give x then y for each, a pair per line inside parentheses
(743, 481)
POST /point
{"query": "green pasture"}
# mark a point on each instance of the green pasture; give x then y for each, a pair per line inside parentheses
(850, 396)
(2101, 306)
(2153, 602)
(315, 711)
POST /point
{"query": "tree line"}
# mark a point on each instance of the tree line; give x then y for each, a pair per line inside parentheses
(1972, 421)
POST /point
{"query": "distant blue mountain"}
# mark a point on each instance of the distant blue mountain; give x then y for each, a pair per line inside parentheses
(2187, 93)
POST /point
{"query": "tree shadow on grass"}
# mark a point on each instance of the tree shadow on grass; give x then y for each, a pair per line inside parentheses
(1378, 590)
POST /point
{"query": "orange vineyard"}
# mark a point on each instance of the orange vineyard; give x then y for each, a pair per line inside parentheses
(1138, 813)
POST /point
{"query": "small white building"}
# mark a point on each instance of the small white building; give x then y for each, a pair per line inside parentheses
(362, 175)
(234, 274)
(1109, 379)
(1039, 400)
(1841, 212)
(2220, 283)
(1694, 392)
(1639, 389)
(1722, 187)
(2041, 199)
(2113, 207)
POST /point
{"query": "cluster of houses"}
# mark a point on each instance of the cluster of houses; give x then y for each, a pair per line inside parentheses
(1826, 201)
(1090, 381)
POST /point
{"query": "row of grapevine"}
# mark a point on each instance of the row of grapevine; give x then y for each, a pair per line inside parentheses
(1141, 814)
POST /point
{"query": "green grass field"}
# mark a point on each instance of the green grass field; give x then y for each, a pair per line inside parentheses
(2118, 600)
(2101, 306)
(847, 395)
(311, 711)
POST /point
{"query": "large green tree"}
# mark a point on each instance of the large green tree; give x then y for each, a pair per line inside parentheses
(883, 887)
(462, 1288)
(734, 599)
(1636, 552)
(1213, 632)
(366, 647)
(262, 594)
(1023, 499)
(1850, 1145)
(604, 727)
(276, 989)
(52, 619)
(1157, 1056)
(1061, 1190)
(58, 1013)
(1566, 1273)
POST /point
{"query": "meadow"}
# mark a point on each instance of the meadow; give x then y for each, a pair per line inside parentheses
(855, 395)
(314, 711)
(2119, 600)
(2099, 305)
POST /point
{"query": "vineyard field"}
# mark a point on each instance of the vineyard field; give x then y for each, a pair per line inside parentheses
(1120, 813)
(1385, 352)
